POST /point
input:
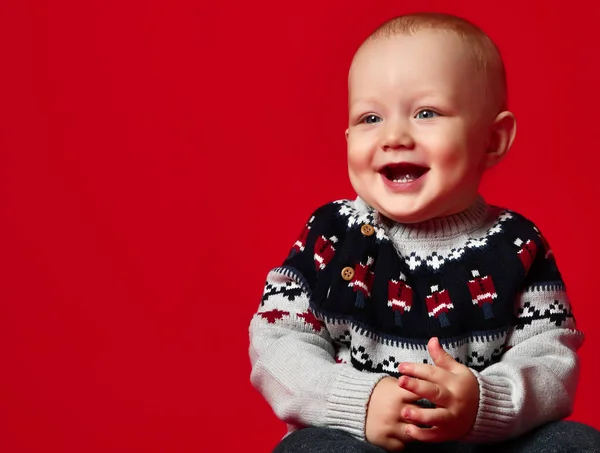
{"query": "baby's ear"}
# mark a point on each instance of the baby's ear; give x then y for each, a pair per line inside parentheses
(502, 135)
(346, 133)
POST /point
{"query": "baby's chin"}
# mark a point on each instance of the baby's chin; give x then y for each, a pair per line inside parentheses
(402, 217)
(393, 215)
(419, 210)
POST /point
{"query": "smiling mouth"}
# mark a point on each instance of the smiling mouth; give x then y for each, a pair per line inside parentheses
(403, 173)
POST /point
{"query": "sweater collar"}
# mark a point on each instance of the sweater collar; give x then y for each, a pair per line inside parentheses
(463, 222)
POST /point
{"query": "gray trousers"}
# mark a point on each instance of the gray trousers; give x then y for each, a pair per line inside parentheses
(557, 437)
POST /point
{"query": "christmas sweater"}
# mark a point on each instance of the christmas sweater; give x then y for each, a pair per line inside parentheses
(359, 294)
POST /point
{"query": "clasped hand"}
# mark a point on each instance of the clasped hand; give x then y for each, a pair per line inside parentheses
(392, 417)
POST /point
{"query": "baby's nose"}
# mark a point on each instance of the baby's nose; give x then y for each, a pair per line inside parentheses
(397, 136)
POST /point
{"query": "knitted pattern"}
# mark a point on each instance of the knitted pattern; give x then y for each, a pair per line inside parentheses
(359, 294)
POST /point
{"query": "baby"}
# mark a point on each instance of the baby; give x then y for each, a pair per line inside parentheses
(417, 313)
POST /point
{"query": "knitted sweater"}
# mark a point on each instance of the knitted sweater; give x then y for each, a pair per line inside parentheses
(359, 294)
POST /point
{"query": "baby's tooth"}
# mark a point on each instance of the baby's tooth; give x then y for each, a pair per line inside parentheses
(405, 179)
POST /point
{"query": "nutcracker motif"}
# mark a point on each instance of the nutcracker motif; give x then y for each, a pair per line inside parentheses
(400, 297)
(324, 251)
(300, 243)
(362, 281)
(483, 293)
(439, 304)
(527, 251)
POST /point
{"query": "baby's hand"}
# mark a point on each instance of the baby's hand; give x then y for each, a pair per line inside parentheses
(384, 425)
(451, 386)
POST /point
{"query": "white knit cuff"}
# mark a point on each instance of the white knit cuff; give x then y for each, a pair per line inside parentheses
(496, 411)
(348, 400)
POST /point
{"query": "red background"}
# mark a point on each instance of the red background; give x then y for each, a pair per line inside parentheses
(158, 157)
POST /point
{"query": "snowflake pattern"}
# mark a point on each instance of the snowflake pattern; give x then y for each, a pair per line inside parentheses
(289, 290)
(355, 217)
(556, 313)
(479, 361)
(436, 260)
(363, 361)
(342, 342)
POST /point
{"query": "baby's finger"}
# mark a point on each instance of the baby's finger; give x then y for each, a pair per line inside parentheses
(426, 434)
(440, 357)
(433, 392)
(425, 417)
(425, 372)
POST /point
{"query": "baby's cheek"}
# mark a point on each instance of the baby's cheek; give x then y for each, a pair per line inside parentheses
(458, 162)
(359, 184)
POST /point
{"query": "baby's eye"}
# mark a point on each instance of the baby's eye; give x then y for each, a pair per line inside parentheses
(425, 114)
(371, 119)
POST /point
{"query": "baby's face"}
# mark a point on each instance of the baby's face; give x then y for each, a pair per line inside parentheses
(417, 133)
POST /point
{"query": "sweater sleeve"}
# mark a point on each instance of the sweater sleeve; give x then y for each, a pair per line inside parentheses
(293, 356)
(536, 379)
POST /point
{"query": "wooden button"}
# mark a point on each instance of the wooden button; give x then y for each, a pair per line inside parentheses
(367, 230)
(347, 273)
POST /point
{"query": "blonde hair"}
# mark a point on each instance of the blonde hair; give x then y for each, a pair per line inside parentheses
(486, 55)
